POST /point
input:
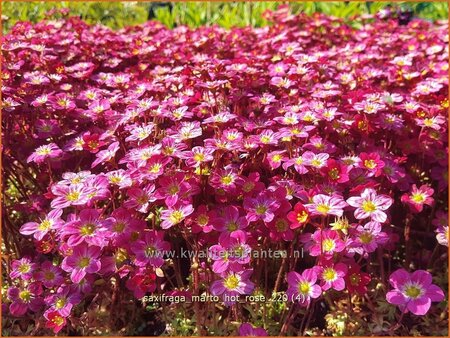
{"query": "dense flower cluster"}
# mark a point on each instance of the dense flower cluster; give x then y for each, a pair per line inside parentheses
(304, 135)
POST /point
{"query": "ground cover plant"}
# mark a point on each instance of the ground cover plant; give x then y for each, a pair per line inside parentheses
(283, 180)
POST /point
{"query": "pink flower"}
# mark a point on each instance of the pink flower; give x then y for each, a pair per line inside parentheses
(50, 275)
(197, 156)
(418, 198)
(25, 298)
(143, 280)
(372, 163)
(231, 285)
(151, 249)
(140, 199)
(303, 287)
(43, 152)
(66, 196)
(369, 204)
(323, 242)
(39, 230)
(298, 217)
(368, 238)
(332, 275)
(231, 252)
(262, 207)
(88, 228)
(230, 219)
(106, 155)
(246, 329)
(326, 205)
(84, 260)
(23, 268)
(55, 321)
(413, 292)
(175, 215)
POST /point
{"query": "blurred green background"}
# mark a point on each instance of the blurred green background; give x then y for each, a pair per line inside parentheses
(226, 14)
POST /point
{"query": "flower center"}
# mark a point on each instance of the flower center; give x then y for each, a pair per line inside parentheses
(119, 226)
(368, 206)
(202, 220)
(261, 209)
(173, 189)
(60, 303)
(334, 173)
(323, 208)
(24, 268)
(142, 199)
(232, 226)
(366, 237)
(316, 163)
(370, 164)
(276, 158)
(248, 186)
(302, 216)
(115, 179)
(231, 282)
(155, 168)
(25, 295)
(304, 288)
(265, 139)
(49, 275)
(418, 197)
(150, 251)
(199, 157)
(227, 180)
(355, 279)
(58, 320)
(73, 196)
(329, 274)
(84, 262)
(43, 151)
(281, 225)
(176, 216)
(328, 245)
(413, 291)
(87, 229)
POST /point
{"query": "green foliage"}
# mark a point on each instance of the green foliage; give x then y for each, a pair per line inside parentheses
(193, 14)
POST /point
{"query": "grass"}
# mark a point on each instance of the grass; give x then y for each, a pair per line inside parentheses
(193, 14)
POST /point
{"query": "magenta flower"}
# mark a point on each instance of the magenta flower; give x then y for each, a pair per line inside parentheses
(84, 260)
(175, 215)
(302, 287)
(368, 238)
(197, 156)
(39, 230)
(323, 242)
(25, 298)
(106, 155)
(140, 199)
(247, 330)
(230, 219)
(43, 152)
(151, 249)
(63, 300)
(262, 207)
(66, 196)
(332, 275)
(231, 252)
(326, 205)
(369, 204)
(231, 285)
(418, 198)
(50, 275)
(413, 292)
(88, 228)
(23, 268)
(173, 188)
